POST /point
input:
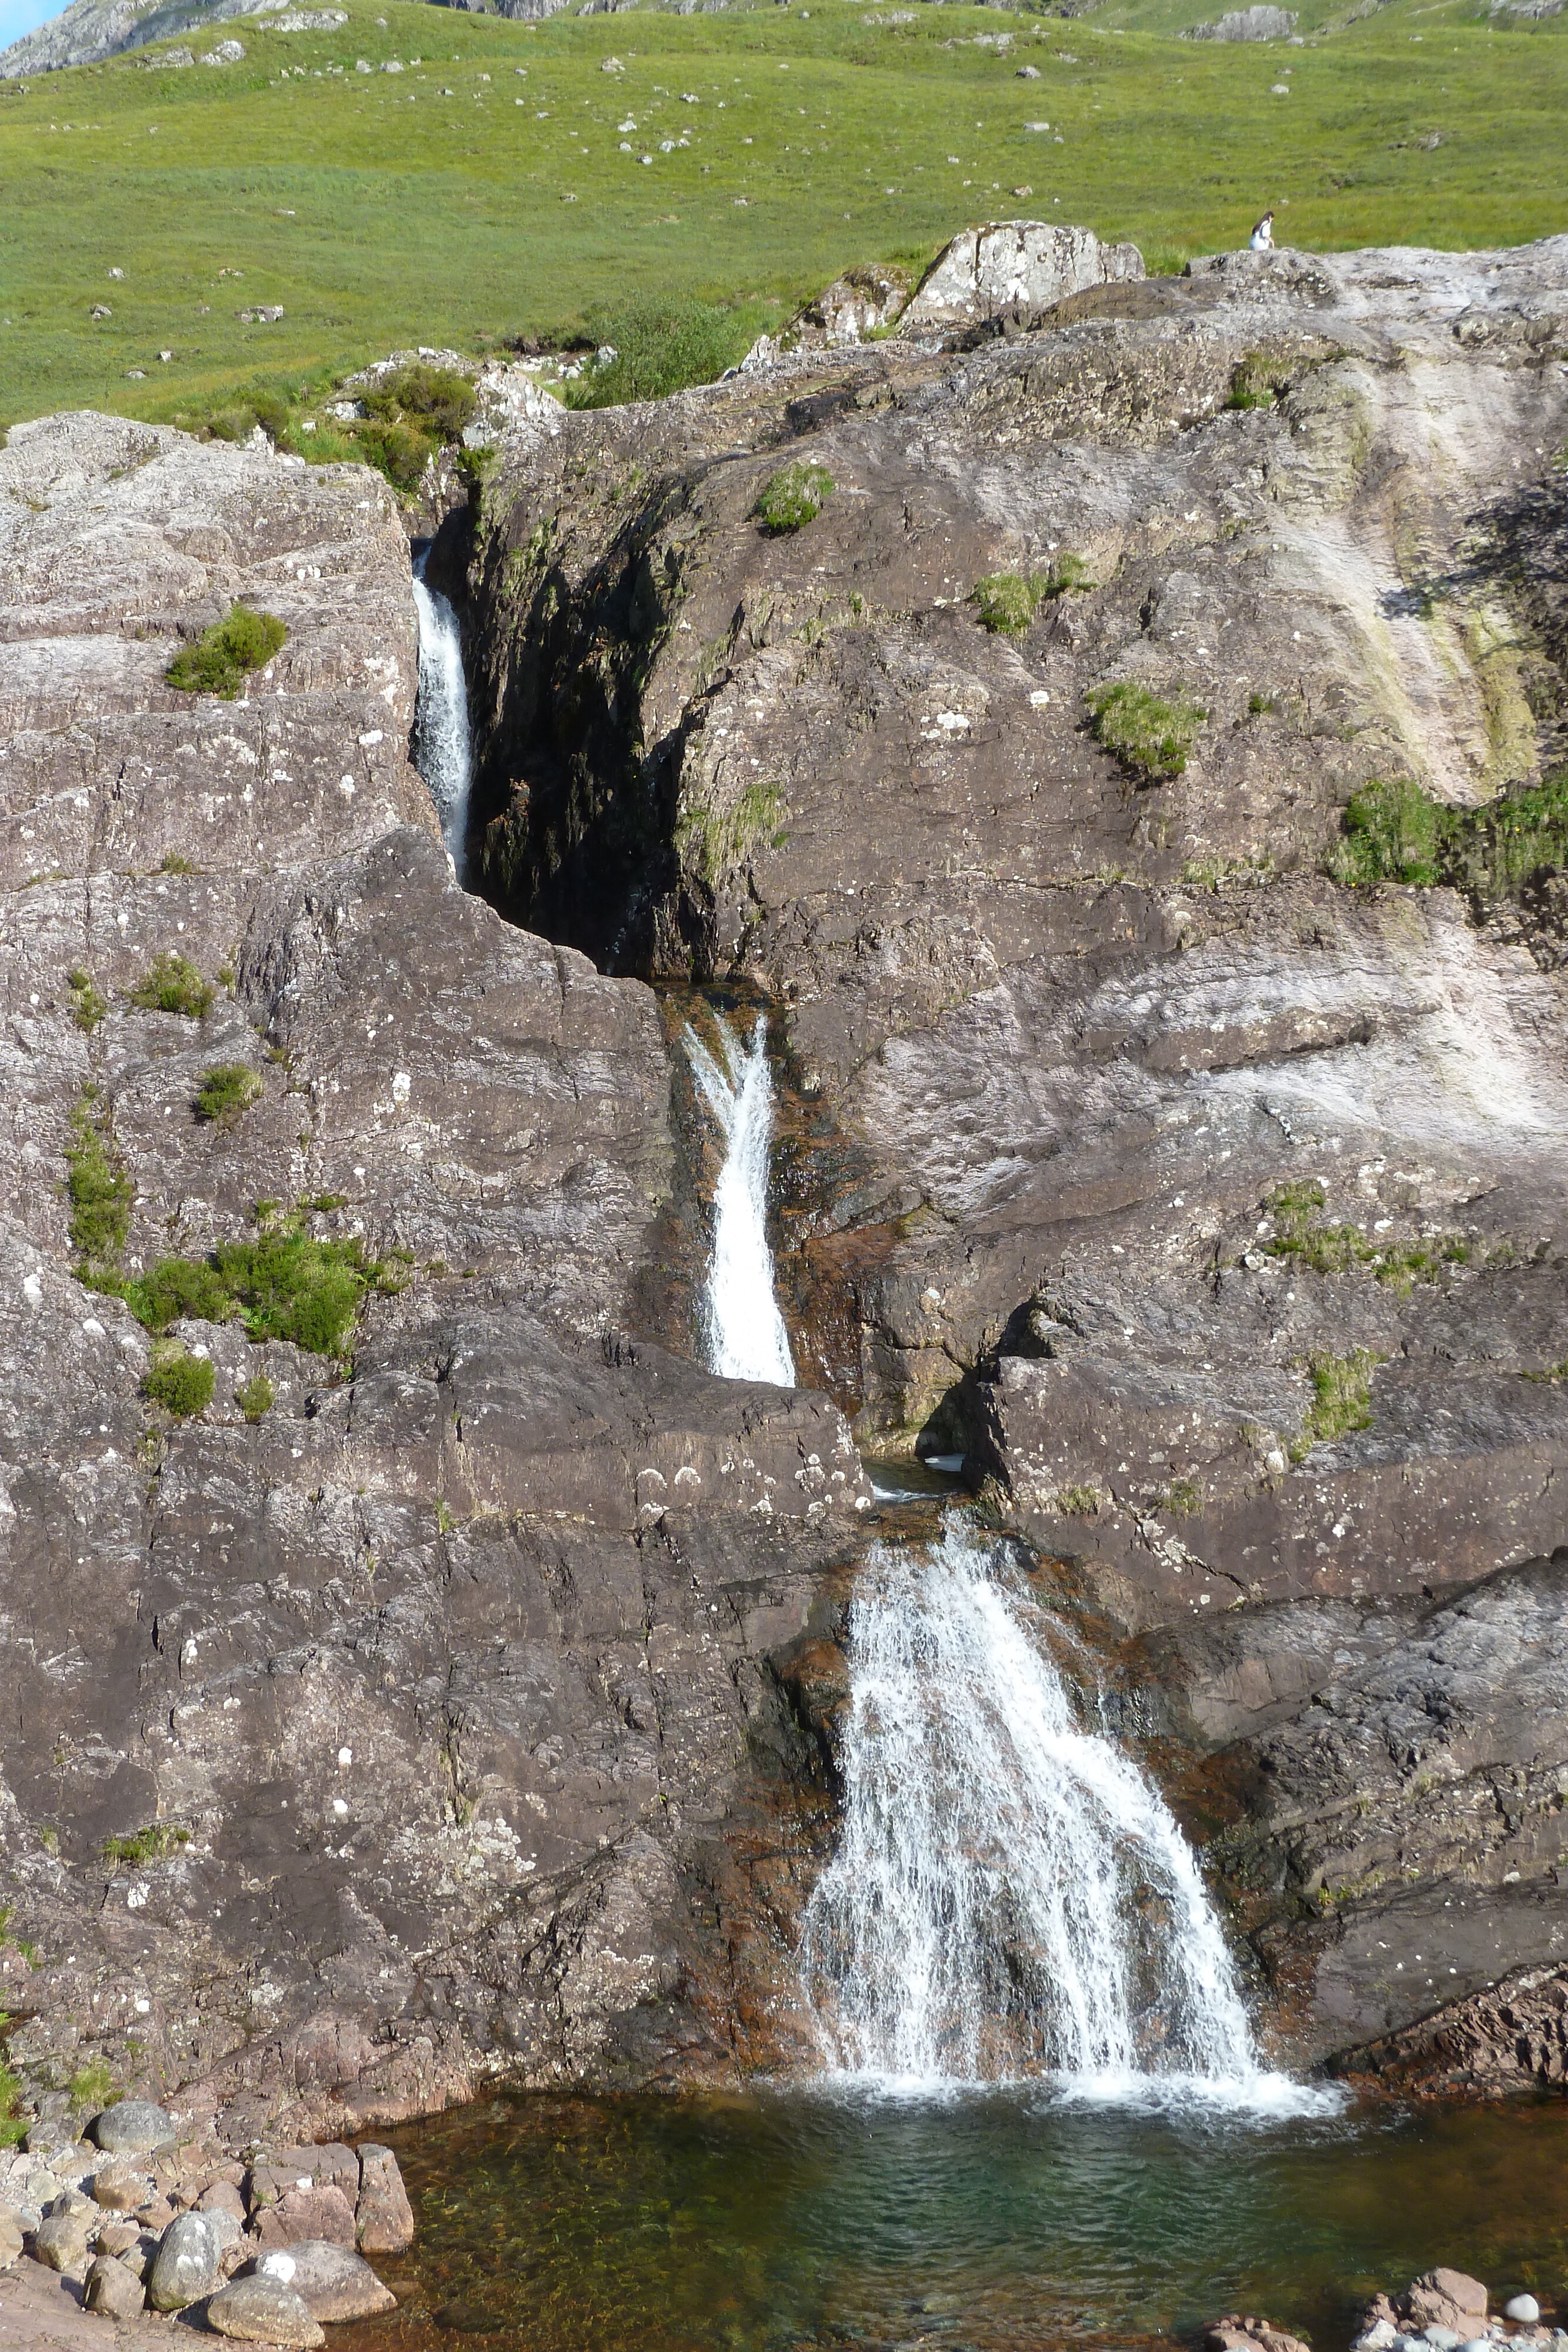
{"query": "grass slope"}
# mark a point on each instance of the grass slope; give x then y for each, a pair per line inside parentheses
(485, 190)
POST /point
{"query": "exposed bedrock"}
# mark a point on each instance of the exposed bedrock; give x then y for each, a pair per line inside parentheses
(1213, 1207)
(374, 1728)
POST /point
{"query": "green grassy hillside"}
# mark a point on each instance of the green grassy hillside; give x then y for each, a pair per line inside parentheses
(492, 187)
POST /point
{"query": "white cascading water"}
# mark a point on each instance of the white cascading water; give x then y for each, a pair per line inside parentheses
(1011, 1896)
(745, 1332)
(442, 751)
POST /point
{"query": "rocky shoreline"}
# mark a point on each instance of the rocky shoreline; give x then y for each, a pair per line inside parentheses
(138, 2214)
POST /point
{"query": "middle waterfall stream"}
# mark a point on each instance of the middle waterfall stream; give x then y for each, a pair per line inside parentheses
(746, 1335)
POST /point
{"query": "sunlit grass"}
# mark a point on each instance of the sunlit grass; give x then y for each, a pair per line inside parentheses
(381, 212)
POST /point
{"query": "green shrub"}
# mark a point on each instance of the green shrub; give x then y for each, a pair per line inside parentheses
(182, 1383)
(399, 450)
(291, 1288)
(225, 1093)
(13, 2121)
(172, 984)
(87, 1005)
(437, 399)
(156, 1842)
(1006, 601)
(254, 1397)
(1068, 575)
(92, 2086)
(174, 864)
(662, 347)
(1252, 382)
(792, 497)
(176, 1287)
(222, 657)
(1150, 737)
(1342, 1399)
(97, 1186)
(1391, 833)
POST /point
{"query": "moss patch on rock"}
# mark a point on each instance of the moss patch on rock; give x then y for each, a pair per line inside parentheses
(1151, 737)
(224, 656)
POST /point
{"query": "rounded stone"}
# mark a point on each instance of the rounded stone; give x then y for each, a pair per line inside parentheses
(333, 2280)
(186, 2264)
(117, 2187)
(1523, 2307)
(131, 2127)
(264, 2311)
(59, 2241)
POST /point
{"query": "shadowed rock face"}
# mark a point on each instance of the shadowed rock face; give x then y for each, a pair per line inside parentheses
(1214, 1208)
(436, 1684)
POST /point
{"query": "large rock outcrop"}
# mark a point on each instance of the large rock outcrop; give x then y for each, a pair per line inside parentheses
(1213, 1206)
(377, 1724)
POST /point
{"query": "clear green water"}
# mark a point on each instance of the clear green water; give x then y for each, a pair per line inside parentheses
(756, 2224)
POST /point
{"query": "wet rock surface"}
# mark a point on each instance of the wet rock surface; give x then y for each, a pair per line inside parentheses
(1213, 1208)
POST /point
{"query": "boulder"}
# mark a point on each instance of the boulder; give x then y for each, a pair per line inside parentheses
(120, 2188)
(323, 2212)
(185, 2266)
(12, 2231)
(1256, 23)
(114, 2289)
(222, 2196)
(131, 2127)
(59, 2241)
(1027, 264)
(1446, 2298)
(258, 2310)
(383, 2219)
(336, 2283)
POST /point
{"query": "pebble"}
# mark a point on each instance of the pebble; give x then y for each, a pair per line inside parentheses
(263, 2311)
(1523, 2307)
(186, 2266)
(335, 2282)
(132, 2126)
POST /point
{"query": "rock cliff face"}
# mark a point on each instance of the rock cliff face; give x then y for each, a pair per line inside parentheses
(1214, 1207)
(466, 1699)
(362, 1735)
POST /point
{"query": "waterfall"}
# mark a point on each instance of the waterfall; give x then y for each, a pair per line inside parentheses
(442, 749)
(744, 1332)
(1011, 1896)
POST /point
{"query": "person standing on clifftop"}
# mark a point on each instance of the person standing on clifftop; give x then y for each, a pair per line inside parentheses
(1262, 237)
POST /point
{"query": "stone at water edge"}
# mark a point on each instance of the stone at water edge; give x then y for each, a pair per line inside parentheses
(323, 2212)
(132, 2126)
(1524, 2308)
(334, 2282)
(263, 2311)
(1445, 2298)
(114, 2289)
(384, 2218)
(186, 2264)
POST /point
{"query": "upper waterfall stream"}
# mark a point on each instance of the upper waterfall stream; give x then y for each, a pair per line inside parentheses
(443, 749)
(1011, 1896)
(745, 1334)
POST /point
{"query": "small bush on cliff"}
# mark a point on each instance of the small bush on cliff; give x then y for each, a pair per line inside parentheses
(97, 1188)
(438, 401)
(225, 1093)
(1342, 1399)
(177, 1287)
(224, 657)
(156, 1842)
(1005, 603)
(254, 1397)
(1150, 737)
(173, 984)
(182, 1383)
(792, 497)
(1392, 831)
(87, 1004)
